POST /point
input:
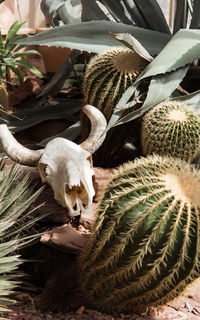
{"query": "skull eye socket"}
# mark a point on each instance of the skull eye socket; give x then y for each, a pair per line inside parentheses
(43, 169)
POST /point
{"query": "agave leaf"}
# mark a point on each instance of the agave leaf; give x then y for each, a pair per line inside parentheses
(152, 15)
(192, 100)
(134, 13)
(163, 86)
(67, 13)
(116, 10)
(49, 7)
(181, 14)
(33, 116)
(92, 36)
(133, 44)
(195, 21)
(91, 11)
(182, 49)
(71, 133)
(61, 75)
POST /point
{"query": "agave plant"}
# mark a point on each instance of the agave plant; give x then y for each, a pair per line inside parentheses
(16, 228)
(12, 58)
(108, 23)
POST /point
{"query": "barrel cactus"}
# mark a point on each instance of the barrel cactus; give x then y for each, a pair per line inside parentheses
(144, 249)
(107, 77)
(171, 128)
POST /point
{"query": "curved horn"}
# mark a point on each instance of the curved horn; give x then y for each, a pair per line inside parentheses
(98, 126)
(15, 150)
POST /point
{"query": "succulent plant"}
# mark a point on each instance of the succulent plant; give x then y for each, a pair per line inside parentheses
(18, 228)
(107, 77)
(171, 128)
(144, 249)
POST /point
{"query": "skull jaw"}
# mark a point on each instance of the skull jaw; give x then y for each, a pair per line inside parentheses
(76, 208)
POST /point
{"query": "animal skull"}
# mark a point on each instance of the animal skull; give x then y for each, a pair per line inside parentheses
(64, 165)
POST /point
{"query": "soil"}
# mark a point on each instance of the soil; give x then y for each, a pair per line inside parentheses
(56, 250)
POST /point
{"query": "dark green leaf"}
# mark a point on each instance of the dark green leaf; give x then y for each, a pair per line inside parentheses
(12, 31)
(91, 11)
(18, 73)
(33, 116)
(71, 133)
(152, 15)
(134, 13)
(180, 51)
(195, 21)
(61, 75)
(116, 10)
(93, 37)
(26, 53)
(181, 14)
(2, 45)
(9, 61)
(29, 67)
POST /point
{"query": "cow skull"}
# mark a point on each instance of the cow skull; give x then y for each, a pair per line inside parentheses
(64, 165)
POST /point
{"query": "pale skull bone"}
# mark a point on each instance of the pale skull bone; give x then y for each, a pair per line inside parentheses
(64, 165)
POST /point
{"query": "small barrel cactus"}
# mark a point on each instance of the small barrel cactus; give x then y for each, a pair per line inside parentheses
(171, 128)
(145, 246)
(107, 77)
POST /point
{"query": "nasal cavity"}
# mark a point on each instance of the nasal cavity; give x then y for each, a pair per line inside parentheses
(75, 207)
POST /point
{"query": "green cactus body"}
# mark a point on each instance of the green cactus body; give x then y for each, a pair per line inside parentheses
(171, 128)
(3, 98)
(145, 246)
(107, 77)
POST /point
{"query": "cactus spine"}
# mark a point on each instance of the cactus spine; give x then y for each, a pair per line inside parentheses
(107, 77)
(171, 128)
(145, 246)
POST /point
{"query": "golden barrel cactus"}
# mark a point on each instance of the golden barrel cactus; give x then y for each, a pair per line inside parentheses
(145, 245)
(171, 128)
(107, 77)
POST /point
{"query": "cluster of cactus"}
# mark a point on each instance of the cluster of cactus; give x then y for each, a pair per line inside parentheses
(171, 128)
(107, 77)
(145, 246)
(144, 249)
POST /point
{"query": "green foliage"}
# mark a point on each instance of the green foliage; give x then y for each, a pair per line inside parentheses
(17, 228)
(171, 129)
(144, 248)
(11, 57)
(133, 27)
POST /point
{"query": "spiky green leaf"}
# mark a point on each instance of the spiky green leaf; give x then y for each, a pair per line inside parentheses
(92, 36)
(29, 67)
(13, 31)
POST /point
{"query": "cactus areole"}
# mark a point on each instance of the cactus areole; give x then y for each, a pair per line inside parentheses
(145, 246)
(171, 128)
